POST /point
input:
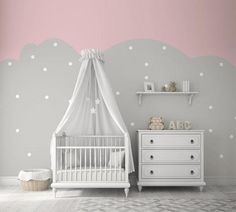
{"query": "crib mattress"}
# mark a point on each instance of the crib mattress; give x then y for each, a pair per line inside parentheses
(92, 174)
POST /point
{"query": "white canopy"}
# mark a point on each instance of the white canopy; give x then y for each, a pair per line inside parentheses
(93, 109)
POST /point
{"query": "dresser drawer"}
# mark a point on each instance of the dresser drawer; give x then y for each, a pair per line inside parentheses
(171, 156)
(157, 140)
(170, 171)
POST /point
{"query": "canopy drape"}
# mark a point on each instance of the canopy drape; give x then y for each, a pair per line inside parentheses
(93, 109)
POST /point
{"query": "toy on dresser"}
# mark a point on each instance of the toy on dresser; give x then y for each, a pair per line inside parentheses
(156, 123)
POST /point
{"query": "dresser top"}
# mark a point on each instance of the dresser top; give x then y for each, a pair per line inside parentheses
(169, 131)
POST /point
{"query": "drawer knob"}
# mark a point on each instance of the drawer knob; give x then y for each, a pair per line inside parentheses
(192, 141)
(192, 157)
(192, 172)
(151, 172)
(151, 141)
(151, 157)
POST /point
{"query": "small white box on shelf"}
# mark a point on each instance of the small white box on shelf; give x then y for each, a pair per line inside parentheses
(186, 86)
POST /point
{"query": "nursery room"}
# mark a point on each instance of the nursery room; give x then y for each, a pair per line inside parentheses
(117, 105)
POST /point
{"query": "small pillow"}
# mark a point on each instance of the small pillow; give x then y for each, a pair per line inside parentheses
(117, 159)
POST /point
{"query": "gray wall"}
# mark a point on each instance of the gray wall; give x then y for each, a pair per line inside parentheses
(37, 117)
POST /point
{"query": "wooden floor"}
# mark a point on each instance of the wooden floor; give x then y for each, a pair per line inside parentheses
(12, 198)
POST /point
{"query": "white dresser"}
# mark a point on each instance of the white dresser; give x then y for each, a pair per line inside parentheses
(171, 158)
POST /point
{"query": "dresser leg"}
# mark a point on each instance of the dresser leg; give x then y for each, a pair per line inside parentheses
(201, 188)
(126, 192)
(54, 192)
(140, 188)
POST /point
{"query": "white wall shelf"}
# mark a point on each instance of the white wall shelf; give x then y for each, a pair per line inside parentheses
(189, 95)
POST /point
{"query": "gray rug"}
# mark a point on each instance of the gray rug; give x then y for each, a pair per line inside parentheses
(120, 204)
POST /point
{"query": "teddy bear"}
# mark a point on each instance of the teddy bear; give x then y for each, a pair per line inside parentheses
(172, 87)
(156, 123)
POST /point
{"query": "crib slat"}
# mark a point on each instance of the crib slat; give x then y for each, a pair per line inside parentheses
(110, 164)
(80, 164)
(70, 163)
(100, 164)
(105, 164)
(90, 165)
(75, 164)
(120, 165)
(85, 162)
(95, 156)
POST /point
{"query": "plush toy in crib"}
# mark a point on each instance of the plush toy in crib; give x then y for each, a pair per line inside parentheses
(156, 123)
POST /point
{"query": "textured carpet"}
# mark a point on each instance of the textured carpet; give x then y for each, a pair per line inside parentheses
(121, 204)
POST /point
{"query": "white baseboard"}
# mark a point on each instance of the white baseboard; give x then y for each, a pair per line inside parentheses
(9, 180)
(210, 180)
(220, 180)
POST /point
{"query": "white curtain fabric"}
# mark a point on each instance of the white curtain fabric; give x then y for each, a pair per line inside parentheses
(93, 109)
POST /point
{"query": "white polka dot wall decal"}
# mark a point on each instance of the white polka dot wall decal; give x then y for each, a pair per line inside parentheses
(17, 96)
(55, 44)
(45, 69)
(221, 64)
(164, 47)
(130, 47)
(146, 77)
(9, 63)
(201, 74)
(32, 57)
(146, 64)
(234, 117)
(117, 93)
(231, 136)
(46, 97)
(17, 130)
(70, 64)
(210, 130)
(29, 154)
(210, 107)
(221, 156)
(132, 124)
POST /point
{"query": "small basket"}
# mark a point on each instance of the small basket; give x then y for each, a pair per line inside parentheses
(35, 185)
(35, 179)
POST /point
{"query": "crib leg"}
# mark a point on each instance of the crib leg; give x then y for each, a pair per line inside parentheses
(126, 192)
(54, 192)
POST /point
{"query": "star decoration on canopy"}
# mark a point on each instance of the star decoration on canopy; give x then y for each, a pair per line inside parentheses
(92, 110)
(97, 101)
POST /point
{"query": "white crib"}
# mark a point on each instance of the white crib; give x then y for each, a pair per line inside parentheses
(91, 162)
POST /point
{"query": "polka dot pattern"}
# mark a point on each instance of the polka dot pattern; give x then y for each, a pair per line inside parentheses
(210, 130)
(57, 85)
(164, 47)
(117, 93)
(221, 64)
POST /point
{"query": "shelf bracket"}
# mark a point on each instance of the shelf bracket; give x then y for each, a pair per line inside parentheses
(190, 97)
(140, 99)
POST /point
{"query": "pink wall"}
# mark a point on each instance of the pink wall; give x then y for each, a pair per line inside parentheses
(197, 27)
